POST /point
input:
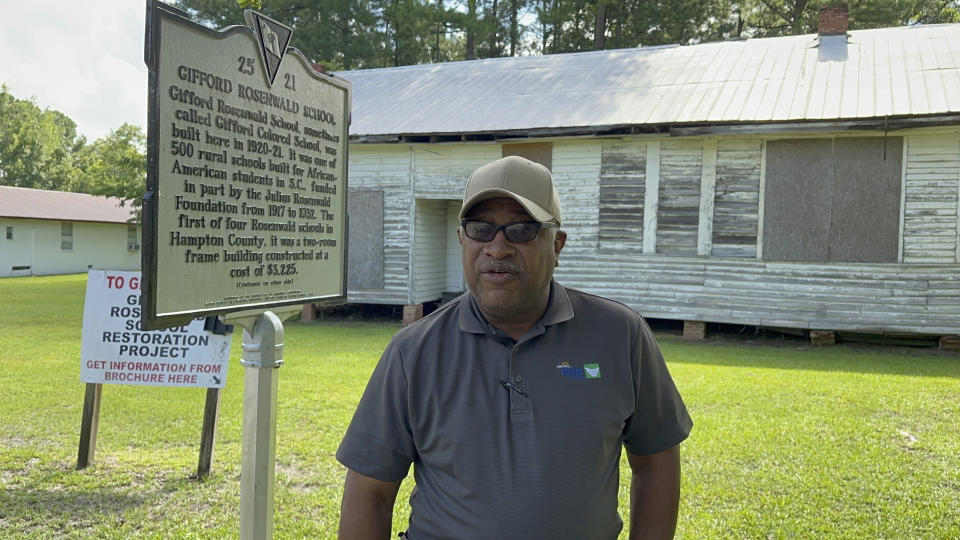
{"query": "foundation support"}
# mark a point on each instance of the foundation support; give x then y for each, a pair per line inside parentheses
(694, 330)
(823, 338)
(950, 343)
(412, 313)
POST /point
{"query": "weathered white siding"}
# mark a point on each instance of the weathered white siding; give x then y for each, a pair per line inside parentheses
(861, 297)
(454, 266)
(576, 170)
(678, 213)
(731, 284)
(737, 288)
(405, 172)
(387, 167)
(931, 189)
(441, 170)
(429, 250)
(36, 245)
(623, 189)
(439, 174)
(736, 198)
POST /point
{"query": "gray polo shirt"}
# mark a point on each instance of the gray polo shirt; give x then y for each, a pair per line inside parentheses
(538, 459)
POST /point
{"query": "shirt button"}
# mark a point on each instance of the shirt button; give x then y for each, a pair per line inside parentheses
(518, 378)
(516, 349)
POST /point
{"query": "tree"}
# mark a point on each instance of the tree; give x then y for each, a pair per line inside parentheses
(40, 149)
(338, 33)
(350, 34)
(341, 34)
(791, 17)
(114, 166)
(470, 29)
(583, 25)
(37, 146)
(600, 26)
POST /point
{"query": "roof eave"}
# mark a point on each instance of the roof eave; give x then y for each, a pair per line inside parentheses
(884, 123)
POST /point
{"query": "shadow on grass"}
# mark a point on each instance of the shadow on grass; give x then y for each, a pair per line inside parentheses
(60, 500)
(794, 355)
(45, 510)
(56, 498)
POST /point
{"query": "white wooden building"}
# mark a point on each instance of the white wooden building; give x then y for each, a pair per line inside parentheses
(807, 182)
(54, 232)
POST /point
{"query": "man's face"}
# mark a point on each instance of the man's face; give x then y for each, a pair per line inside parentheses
(511, 281)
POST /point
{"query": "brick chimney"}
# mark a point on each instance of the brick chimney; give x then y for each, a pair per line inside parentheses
(834, 20)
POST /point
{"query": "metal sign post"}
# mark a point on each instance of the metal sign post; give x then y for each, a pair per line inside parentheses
(262, 358)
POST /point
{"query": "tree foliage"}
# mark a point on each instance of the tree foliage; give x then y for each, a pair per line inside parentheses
(40, 148)
(349, 34)
(114, 165)
(761, 18)
(36, 146)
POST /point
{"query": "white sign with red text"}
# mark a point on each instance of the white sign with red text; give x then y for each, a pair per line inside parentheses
(117, 350)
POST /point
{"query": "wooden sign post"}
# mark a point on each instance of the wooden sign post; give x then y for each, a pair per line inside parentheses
(89, 424)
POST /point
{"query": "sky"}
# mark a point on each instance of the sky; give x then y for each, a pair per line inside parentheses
(83, 58)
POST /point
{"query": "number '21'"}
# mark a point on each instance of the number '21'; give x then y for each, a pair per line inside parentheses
(290, 81)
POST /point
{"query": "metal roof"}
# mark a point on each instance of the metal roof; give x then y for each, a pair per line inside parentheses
(17, 202)
(888, 72)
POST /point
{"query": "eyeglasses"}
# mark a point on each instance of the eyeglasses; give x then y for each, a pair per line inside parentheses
(517, 232)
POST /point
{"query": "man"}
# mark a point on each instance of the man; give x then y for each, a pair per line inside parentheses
(513, 401)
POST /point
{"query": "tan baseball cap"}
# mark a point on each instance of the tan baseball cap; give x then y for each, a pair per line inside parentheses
(520, 179)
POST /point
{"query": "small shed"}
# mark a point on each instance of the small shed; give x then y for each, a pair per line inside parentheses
(55, 232)
(807, 182)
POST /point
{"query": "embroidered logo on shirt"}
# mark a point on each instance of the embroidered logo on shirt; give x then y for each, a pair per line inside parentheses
(588, 371)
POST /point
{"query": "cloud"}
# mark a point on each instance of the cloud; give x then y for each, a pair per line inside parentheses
(80, 57)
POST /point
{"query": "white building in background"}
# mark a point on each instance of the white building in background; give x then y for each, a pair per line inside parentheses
(54, 232)
(807, 182)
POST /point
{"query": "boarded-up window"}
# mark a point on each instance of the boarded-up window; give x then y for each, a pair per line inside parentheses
(541, 153)
(365, 251)
(622, 188)
(833, 200)
(736, 199)
(678, 214)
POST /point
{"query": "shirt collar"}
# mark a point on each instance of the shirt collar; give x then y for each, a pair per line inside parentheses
(559, 309)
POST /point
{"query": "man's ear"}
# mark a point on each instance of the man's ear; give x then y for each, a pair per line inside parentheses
(559, 241)
(460, 235)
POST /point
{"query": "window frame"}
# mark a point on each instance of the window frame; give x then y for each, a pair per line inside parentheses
(66, 236)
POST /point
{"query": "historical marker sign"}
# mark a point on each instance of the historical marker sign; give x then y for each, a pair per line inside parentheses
(247, 171)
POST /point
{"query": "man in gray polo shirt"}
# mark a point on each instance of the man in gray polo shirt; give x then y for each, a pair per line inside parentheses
(513, 401)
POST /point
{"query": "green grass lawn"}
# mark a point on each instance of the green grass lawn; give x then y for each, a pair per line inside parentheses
(789, 441)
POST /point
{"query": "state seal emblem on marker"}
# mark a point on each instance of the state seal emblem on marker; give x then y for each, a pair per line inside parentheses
(272, 38)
